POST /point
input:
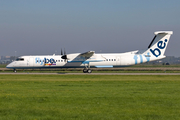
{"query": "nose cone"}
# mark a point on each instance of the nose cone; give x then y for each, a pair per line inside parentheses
(10, 65)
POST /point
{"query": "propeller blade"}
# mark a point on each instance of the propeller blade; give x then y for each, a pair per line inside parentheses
(61, 52)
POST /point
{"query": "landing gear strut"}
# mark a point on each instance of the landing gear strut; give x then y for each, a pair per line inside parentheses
(87, 69)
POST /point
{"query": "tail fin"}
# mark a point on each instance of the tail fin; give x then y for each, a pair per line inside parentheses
(158, 45)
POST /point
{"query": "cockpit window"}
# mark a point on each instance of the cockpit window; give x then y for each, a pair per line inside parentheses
(20, 59)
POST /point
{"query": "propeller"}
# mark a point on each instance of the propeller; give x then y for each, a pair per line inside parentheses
(64, 56)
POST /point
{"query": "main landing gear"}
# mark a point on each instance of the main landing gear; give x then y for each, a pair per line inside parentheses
(87, 69)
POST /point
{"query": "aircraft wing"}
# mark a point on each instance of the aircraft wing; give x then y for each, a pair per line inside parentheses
(87, 54)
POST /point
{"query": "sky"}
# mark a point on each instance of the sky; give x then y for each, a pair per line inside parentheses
(44, 27)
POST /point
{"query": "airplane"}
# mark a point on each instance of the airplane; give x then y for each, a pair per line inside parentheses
(90, 59)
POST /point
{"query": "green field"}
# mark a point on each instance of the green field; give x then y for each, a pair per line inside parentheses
(2, 65)
(83, 97)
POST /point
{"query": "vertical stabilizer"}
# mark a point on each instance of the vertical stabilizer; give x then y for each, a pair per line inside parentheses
(159, 44)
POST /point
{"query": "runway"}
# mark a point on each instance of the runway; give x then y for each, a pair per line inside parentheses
(89, 73)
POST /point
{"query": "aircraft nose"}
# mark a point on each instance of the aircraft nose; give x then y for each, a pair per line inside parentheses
(9, 65)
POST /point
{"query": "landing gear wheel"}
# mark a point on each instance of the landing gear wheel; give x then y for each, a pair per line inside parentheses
(89, 70)
(14, 71)
(85, 70)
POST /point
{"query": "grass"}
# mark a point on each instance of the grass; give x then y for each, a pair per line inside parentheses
(54, 97)
(3, 65)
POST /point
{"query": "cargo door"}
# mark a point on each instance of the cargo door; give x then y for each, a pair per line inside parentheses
(118, 60)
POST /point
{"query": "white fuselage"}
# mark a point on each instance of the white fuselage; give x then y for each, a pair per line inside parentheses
(97, 61)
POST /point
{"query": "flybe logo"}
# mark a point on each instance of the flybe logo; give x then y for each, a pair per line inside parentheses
(45, 61)
(160, 45)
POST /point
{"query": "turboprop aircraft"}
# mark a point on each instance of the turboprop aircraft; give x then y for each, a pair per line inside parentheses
(90, 59)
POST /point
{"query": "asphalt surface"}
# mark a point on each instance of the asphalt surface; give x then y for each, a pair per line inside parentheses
(89, 73)
(123, 68)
